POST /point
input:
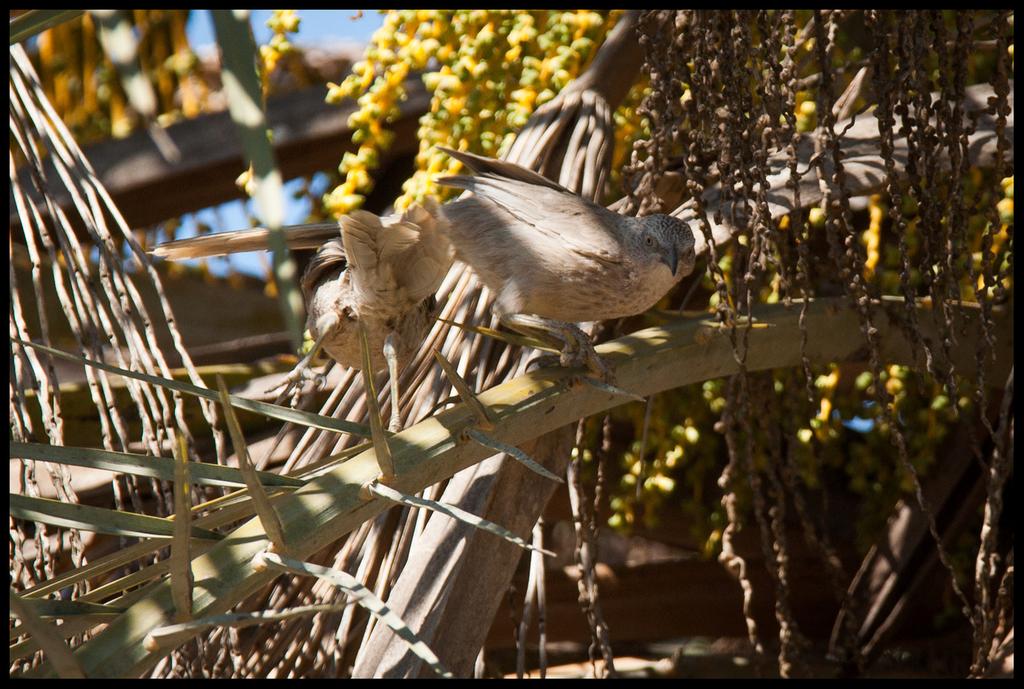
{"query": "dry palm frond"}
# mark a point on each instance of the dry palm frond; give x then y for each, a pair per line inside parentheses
(103, 307)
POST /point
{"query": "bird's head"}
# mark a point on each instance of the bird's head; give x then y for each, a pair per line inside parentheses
(669, 240)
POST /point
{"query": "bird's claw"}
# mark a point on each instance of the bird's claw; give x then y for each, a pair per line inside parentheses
(544, 361)
(297, 378)
(587, 357)
(581, 356)
(576, 348)
(600, 370)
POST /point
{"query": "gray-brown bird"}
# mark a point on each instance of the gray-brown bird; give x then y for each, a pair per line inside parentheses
(378, 272)
(553, 258)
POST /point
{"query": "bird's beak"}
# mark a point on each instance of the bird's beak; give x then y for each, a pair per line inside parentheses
(672, 260)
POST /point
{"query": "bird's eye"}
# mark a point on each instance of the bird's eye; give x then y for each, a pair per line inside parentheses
(649, 240)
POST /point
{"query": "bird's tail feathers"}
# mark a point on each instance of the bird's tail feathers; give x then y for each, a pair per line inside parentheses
(309, 236)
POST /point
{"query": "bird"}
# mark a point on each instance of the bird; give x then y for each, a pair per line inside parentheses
(554, 259)
(379, 273)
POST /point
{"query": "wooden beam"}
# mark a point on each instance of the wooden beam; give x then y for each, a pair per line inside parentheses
(309, 136)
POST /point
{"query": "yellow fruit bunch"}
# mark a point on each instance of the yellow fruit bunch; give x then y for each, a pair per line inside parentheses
(486, 70)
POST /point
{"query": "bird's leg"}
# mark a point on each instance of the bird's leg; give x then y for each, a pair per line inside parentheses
(302, 370)
(391, 356)
(576, 347)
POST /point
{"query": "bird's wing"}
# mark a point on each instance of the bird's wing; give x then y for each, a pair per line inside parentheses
(309, 236)
(604, 256)
(369, 246)
(550, 209)
(407, 253)
(328, 258)
(502, 168)
(368, 242)
(425, 264)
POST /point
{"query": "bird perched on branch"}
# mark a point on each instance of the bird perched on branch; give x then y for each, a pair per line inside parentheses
(553, 258)
(378, 272)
